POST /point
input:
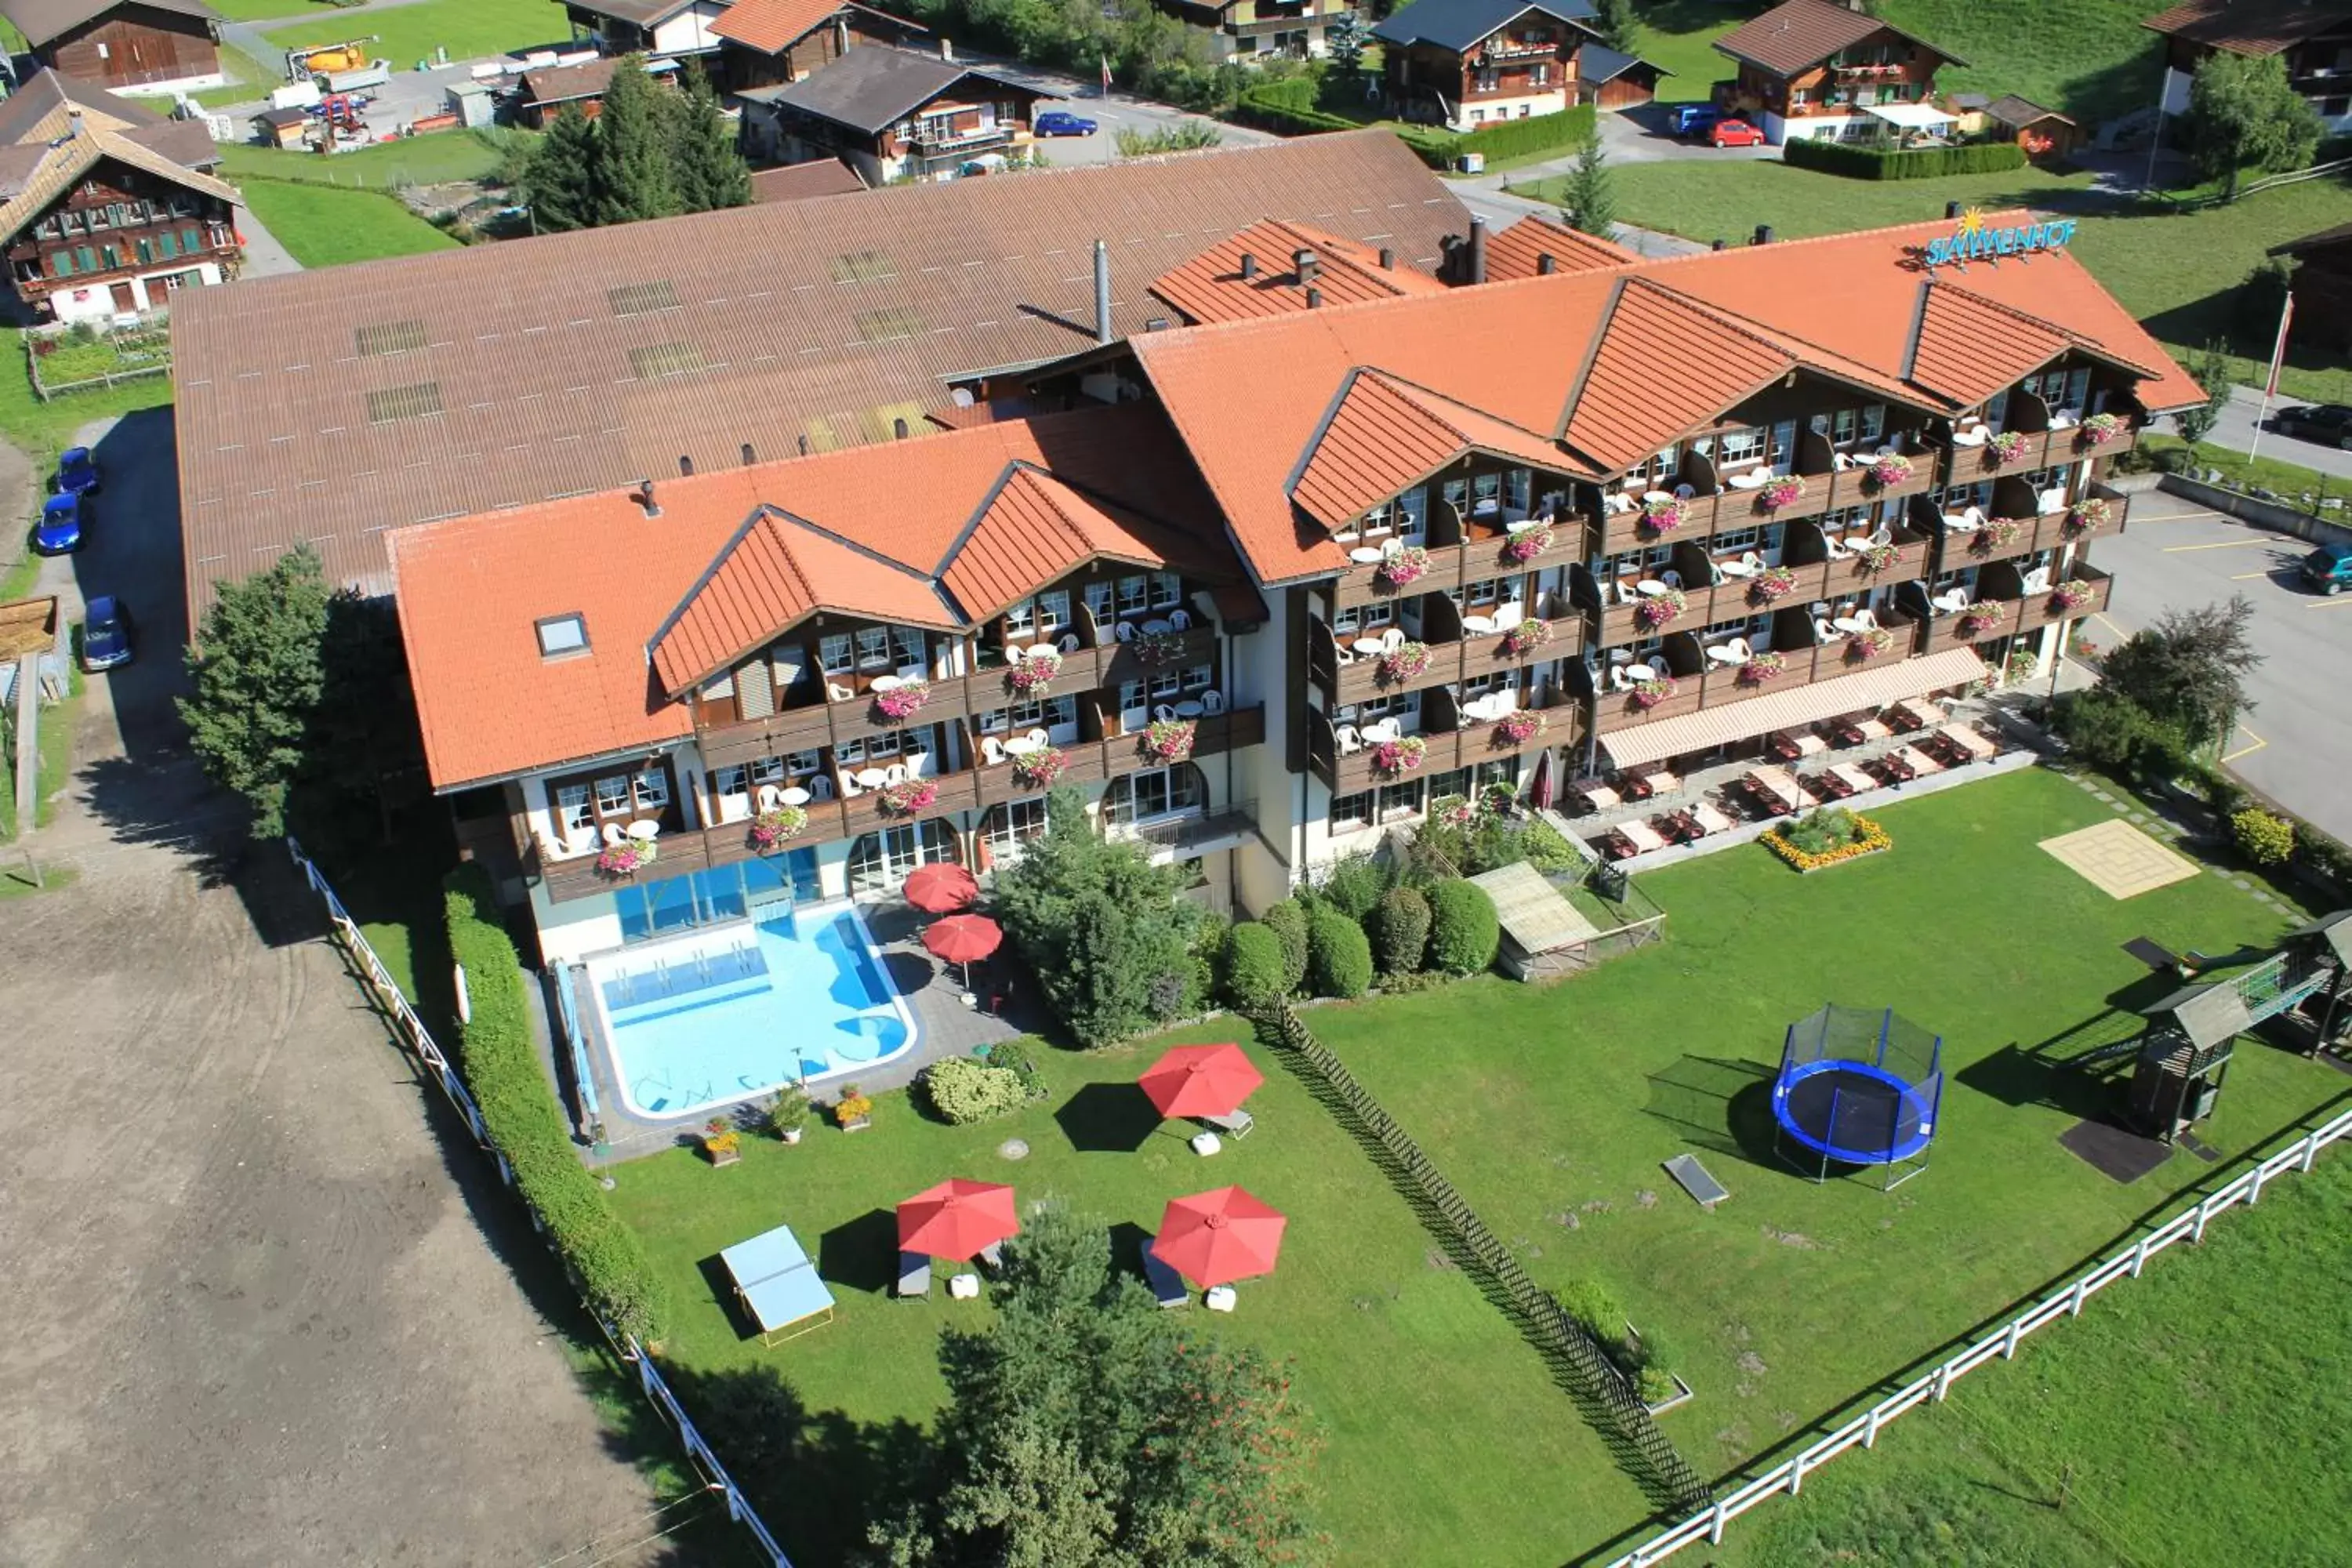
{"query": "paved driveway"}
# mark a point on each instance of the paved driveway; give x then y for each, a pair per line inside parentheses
(2297, 746)
(2235, 430)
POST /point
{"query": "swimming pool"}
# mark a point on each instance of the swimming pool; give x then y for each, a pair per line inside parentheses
(726, 1015)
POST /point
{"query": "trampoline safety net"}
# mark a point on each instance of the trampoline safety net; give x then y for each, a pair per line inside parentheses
(1859, 1085)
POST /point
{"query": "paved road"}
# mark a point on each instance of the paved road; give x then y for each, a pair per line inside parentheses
(2297, 746)
(260, 1310)
(2235, 430)
(1121, 111)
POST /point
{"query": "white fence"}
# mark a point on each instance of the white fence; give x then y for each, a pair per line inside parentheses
(1862, 1432)
(412, 1034)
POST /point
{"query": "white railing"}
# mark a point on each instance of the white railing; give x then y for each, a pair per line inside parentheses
(2001, 1344)
(411, 1033)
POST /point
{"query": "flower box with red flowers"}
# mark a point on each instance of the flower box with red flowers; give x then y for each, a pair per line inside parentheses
(1526, 544)
(902, 702)
(1998, 534)
(1407, 566)
(1648, 694)
(1169, 739)
(1888, 470)
(1399, 756)
(1761, 667)
(1518, 729)
(1772, 582)
(2007, 447)
(1035, 770)
(626, 858)
(1869, 644)
(2090, 513)
(1981, 619)
(1526, 637)
(1665, 514)
(905, 799)
(1787, 490)
(2070, 596)
(1401, 663)
(774, 830)
(1036, 672)
(1657, 610)
(2101, 428)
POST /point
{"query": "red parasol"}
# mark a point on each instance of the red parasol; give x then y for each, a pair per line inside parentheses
(1215, 1238)
(958, 1218)
(1201, 1080)
(963, 939)
(941, 888)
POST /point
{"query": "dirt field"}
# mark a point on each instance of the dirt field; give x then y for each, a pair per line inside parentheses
(253, 1315)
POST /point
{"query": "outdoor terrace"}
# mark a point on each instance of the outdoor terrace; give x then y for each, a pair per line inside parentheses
(2040, 527)
(1461, 644)
(2024, 607)
(1463, 550)
(1453, 739)
(1701, 681)
(1825, 569)
(1625, 527)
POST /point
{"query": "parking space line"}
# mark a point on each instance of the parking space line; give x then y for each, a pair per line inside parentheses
(2224, 544)
(2250, 577)
(2245, 751)
(2109, 624)
(2331, 604)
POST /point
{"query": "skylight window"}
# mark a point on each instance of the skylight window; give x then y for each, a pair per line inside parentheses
(637, 298)
(388, 338)
(862, 266)
(886, 325)
(393, 402)
(561, 635)
(657, 360)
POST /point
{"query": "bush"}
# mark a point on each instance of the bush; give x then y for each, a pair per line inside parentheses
(1353, 885)
(2265, 839)
(1537, 133)
(1831, 828)
(1655, 1384)
(1288, 921)
(1463, 930)
(1342, 955)
(1012, 1057)
(1399, 927)
(2110, 730)
(498, 1061)
(1596, 1307)
(1287, 108)
(1917, 163)
(1255, 968)
(963, 1089)
(2217, 789)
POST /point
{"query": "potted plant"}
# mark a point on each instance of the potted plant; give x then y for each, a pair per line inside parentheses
(1399, 756)
(1888, 470)
(1761, 667)
(1648, 694)
(1876, 558)
(1526, 544)
(903, 701)
(853, 1112)
(721, 1142)
(1035, 770)
(1518, 728)
(788, 1112)
(907, 799)
(774, 828)
(1526, 637)
(1036, 671)
(1869, 644)
(1157, 647)
(1981, 619)
(1657, 610)
(626, 858)
(1663, 514)
(2023, 662)
(2007, 447)
(2070, 595)
(2101, 428)
(1169, 739)
(1998, 534)
(1401, 663)
(1786, 491)
(2090, 512)
(1407, 566)
(1772, 582)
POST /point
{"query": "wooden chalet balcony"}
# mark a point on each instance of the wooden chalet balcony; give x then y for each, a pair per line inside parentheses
(1728, 509)
(1701, 684)
(1483, 553)
(2044, 450)
(2021, 611)
(1096, 761)
(2036, 532)
(1732, 598)
(1465, 743)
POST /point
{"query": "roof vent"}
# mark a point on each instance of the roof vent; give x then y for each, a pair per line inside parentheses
(1156, 324)
(73, 124)
(1388, 258)
(643, 497)
(1477, 248)
(804, 445)
(685, 467)
(1315, 299)
(1547, 264)
(1302, 262)
(1763, 234)
(750, 457)
(1249, 265)
(897, 429)
(947, 50)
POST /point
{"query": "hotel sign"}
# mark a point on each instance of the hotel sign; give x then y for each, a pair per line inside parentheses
(1972, 241)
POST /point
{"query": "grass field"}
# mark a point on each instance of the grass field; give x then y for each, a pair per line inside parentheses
(326, 228)
(1680, 34)
(1446, 1440)
(2188, 1418)
(41, 430)
(1553, 1114)
(416, 161)
(468, 29)
(2269, 473)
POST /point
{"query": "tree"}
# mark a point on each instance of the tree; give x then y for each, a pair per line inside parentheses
(635, 176)
(365, 755)
(1102, 927)
(558, 182)
(2212, 369)
(1591, 196)
(709, 167)
(1347, 38)
(2188, 669)
(1619, 26)
(257, 667)
(2244, 113)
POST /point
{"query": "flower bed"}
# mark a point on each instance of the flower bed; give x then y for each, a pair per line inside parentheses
(1407, 566)
(1035, 770)
(1036, 672)
(1169, 739)
(774, 829)
(1657, 610)
(1401, 663)
(1401, 756)
(1526, 544)
(1772, 583)
(907, 799)
(902, 702)
(1830, 837)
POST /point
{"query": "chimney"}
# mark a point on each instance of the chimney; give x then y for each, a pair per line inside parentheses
(1763, 234)
(1302, 262)
(1249, 266)
(685, 467)
(1102, 292)
(1477, 248)
(897, 429)
(749, 457)
(1546, 264)
(73, 125)
(1388, 258)
(947, 50)
(1951, 211)
(1315, 299)
(645, 498)
(803, 446)
(1720, 244)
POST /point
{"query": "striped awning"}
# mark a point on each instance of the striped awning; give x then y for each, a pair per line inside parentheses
(1799, 705)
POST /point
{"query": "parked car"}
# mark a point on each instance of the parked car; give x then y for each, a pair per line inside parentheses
(105, 634)
(1690, 119)
(1062, 123)
(77, 472)
(2329, 423)
(2328, 568)
(1735, 133)
(59, 529)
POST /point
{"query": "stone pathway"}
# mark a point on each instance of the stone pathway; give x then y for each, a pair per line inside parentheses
(2119, 859)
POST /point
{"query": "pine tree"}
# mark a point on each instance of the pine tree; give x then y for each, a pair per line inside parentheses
(710, 171)
(1591, 196)
(1617, 23)
(559, 182)
(633, 177)
(258, 675)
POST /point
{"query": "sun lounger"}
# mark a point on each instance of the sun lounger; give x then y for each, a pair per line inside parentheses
(914, 1274)
(1694, 1179)
(992, 1256)
(1167, 1287)
(1964, 743)
(1236, 1125)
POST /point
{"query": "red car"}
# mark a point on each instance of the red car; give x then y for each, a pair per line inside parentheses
(1735, 133)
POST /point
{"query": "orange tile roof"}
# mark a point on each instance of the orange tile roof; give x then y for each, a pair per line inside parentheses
(1516, 252)
(1033, 530)
(772, 27)
(1663, 365)
(1969, 347)
(1211, 288)
(1385, 436)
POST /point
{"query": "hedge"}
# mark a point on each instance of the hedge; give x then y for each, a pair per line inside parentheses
(1288, 921)
(500, 1063)
(1464, 930)
(1916, 163)
(1255, 970)
(1399, 927)
(963, 1090)
(1342, 954)
(1287, 108)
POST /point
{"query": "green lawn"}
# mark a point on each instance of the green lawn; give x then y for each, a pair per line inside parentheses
(1553, 1114)
(1680, 34)
(1446, 1440)
(2207, 1379)
(467, 28)
(327, 228)
(2268, 473)
(437, 158)
(2091, 60)
(249, 81)
(41, 430)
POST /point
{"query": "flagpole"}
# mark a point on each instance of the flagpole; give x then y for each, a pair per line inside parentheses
(2270, 382)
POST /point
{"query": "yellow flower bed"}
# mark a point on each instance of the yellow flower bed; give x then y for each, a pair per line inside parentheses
(1873, 839)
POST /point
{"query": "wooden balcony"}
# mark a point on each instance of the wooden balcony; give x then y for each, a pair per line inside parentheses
(2041, 609)
(1700, 684)
(2044, 450)
(1732, 598)
(1094, 762)
(1471, 742)
(1362, 680)
(1730, 508)
(2021, 612)
(1484, 552)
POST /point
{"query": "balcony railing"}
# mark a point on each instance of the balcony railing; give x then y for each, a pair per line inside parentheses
(1092, 761)
(2020, 611)
(1471, 742)
(1193, 833)
(1705, 515)
(1484, 552)
(2042, 449)
(1701, 683)
(1731, 598)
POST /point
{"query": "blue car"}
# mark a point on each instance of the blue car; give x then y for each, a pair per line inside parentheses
(77, 472)
(105, 634)
(1694, 118)
(59, 529)
(1062, 123)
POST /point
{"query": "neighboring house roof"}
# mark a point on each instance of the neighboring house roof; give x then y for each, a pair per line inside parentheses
(737, 554)
(1210, 287)
(796, 181)
(42, 21)
(872, 89)
(1798, 35)
(1519, 251)
(1599, 63)
(640, 12)
(2250, 26)
(570, 84)
(2326, 237)
(2021, 113)
(277, 119)
(578, 361)
(1458, 24)
(772, 27)
(41, 104)
(1968, 102)
(45, 155)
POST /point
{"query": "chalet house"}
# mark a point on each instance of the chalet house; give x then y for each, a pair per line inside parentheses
(658, 29)
(798, 181)
(107, 207)
(2043, 132)
(2314, 36)
(773, 43)
(1611, 79)
(1468, 63)
(1814, 69)
(1238, 29)
(123, 45)
(542, 93)
(893, 114)
(2323, 285)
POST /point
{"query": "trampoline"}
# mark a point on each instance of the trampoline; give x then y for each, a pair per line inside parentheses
(1858, 1087)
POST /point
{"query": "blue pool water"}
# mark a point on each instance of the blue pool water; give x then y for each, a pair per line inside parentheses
(728, 1016)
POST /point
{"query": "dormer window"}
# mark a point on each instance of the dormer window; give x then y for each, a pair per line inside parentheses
(561, 635)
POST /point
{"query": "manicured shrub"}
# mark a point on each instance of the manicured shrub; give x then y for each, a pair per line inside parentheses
(1341, 956)
(1915, 163)
(500, 1063)
(963, 1089)
(1014, 1058)
(2265, 839)
(1399, 927)
(1463, 930)
(1537, 133)
(1288, 921)
(1353, 885)
(1596, 1307)
(1253, 966)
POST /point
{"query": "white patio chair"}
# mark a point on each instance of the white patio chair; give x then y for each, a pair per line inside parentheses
(991, 751)
(849, 789)
(896, 773)
(1823, 632)
(912, 672)
(579, 840)
(1349, 738)
(1617, 679)
(1069, 643)
(1840, 462)
(1740, 652)
(1180, 619)
(1865, 620)
(1391, 640)
(1164, 713)
(1038, 738)
(1392, 546)
(1212, 701)
(770, 797)
(613, 836)
(1686, 492)
(836, 692)
(1671, 578)
(1974, 517)
(1125, 631)
(820, 788)
(1509, 615)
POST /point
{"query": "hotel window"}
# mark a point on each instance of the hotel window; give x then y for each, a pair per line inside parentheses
(1351, 811)
(1199, 678)
(1738, 539)
(1134, 595)
(873, 648)
(1518, 489)
(561, 635)
(1874, 421)
(1456, 493)
(1357, 620)
(1054, 611)
(1540, 75)
(1485, 493)
(1667, 463)
(1014, 824)
(1162, 792)
(1799, 98)
(1167, 591)
(1100, 601)
(572, 813)
(1021, 619)
(1405, 709)
(1737, 447)
(652, 785)
(833, 655)
(1400, 799)
(889, 743)
(1492, 590)
(1483, 685)
(613, 795)
(731, 786)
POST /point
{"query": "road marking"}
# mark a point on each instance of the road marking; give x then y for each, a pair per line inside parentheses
(2109, 624)
(2175, 517)
(2225, 545)
(2245, 751)
(2331, 604)
(2250, 577)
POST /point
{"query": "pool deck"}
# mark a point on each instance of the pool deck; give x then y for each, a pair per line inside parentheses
(933, 993)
